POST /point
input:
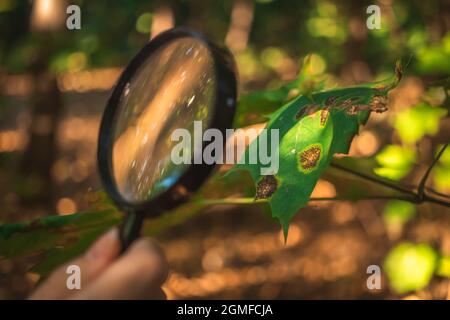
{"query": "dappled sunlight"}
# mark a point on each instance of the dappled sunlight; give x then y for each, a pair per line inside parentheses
(367, 208)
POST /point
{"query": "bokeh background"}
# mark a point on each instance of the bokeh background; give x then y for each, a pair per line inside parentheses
(54, 84)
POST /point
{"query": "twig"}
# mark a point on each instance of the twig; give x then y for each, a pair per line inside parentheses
(374, 179)
(428, 198)
(230, 201)
(248, 200)
(423, 181)
(431, 190)
(368, 197)
(414, 197)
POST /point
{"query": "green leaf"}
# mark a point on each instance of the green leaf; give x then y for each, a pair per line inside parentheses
(410, 267)
(398, 212)
(58, 238)
(443, 268)
(395, 162)
(445, 158)
(441, 173)
(412, 124)
(304, 153)
(311, 130)
(144, 23)
(441, 177)
(58, 255)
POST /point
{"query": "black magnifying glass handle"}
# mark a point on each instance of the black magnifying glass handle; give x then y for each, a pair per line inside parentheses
(130, 229)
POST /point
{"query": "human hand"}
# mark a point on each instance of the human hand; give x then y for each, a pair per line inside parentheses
(105, 274)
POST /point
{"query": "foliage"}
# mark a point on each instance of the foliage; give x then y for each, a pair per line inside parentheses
(442, 171)
(395, 162)
(311, 130)
(398, 212)
(57, 237)
(443, 268)
(321, 27)
(413, 123)
(410, 267)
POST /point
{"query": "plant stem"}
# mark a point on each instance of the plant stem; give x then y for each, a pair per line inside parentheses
(230, 201)
(414, 197)
(243, 201)
(427, 198)
(409, 194)
(374, 180)
(368, 197)
(423, 181)
(431, 190)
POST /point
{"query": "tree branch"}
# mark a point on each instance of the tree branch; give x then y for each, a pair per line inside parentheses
(374, 179)
(423, 181)
(414, 197)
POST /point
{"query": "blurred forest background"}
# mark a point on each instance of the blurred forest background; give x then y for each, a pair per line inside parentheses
(54, 84)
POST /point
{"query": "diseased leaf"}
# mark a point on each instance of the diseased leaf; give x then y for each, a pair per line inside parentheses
(58, 238)
(311, 130)
(58, 255)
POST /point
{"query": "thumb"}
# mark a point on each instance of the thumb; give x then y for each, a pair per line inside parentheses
(97, 258)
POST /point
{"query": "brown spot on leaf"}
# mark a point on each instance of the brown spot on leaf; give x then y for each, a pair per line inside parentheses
(349, 102)
(68, 240)
(378, 104)
(330, 101)
(354, 99)
(266, 187)
(324, 114)
(352, 111)
(310, 157)
(306, 111)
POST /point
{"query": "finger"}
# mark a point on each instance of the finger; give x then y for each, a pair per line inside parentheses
(101, 254)
(138, 274)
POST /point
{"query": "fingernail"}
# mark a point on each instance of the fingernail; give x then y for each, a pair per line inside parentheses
(103, 245)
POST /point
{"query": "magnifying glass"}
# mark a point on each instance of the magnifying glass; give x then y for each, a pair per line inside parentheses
(178, 80)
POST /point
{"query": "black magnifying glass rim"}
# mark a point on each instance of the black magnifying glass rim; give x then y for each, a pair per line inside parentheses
(222, 119)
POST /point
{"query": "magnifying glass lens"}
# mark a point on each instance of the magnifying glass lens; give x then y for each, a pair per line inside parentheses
(174, 87)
